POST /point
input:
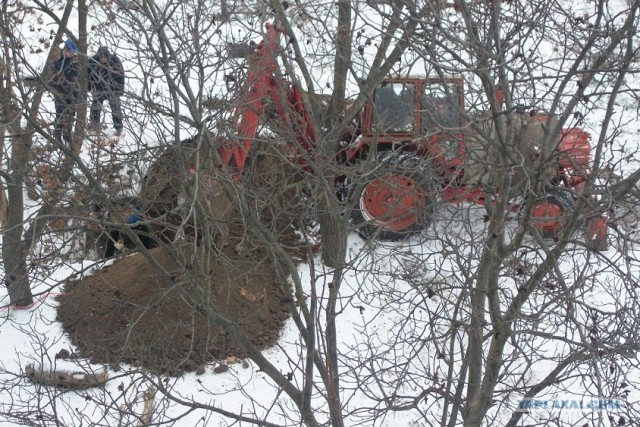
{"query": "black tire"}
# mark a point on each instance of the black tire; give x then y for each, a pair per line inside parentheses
(407, 181)
(552, 209)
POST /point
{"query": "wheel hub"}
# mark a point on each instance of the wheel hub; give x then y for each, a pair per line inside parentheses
(393, 202)
(547, 216)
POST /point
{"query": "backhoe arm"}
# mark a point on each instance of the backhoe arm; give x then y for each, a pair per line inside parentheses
(265, 83)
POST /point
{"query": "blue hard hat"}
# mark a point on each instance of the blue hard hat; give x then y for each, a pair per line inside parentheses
(69, 44)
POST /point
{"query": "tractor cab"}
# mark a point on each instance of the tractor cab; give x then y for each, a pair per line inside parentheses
(416, 107)
(420, 115)
(413, 113)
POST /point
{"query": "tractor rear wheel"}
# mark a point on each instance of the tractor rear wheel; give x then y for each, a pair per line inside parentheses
(551, 212)
(395, 200)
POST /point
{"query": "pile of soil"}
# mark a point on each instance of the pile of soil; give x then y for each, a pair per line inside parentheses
(129, 313)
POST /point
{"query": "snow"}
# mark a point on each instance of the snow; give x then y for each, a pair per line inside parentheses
(392, 294)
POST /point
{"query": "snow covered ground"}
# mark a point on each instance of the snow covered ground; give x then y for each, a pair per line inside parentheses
(393, 294)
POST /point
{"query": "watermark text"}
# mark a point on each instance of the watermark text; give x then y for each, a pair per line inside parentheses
(594, 404)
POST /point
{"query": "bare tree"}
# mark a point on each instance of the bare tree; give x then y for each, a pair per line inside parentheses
(484, 309)
(23, 108)
(512, 318)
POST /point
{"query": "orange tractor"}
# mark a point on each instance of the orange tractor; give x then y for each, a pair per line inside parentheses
(426, 148)
(424, 119)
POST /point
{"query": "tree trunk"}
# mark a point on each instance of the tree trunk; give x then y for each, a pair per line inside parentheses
(333, 373)
(7, 114)
(333, 230)
(3, 207)
(81, 110)
(13, 247)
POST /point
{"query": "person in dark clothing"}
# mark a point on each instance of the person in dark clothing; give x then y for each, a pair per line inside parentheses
(106, 83)
(65, 90)
(119, 240)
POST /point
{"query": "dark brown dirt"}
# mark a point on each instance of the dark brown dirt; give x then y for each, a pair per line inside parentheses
(128, 313)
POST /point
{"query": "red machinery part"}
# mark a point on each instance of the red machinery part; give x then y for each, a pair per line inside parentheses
(547, 217)
(395, 202)
(596, 230)
(574, 151)
(447, 150)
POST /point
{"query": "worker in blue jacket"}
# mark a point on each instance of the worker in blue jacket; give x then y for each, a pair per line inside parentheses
(106, 83)
(65, 89)
(119, 240)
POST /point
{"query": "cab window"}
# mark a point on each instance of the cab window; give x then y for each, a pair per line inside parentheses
(439, 108)
(394, 110)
